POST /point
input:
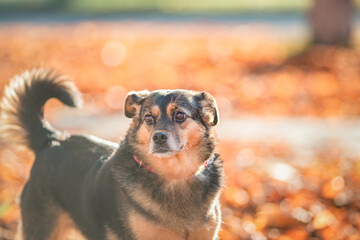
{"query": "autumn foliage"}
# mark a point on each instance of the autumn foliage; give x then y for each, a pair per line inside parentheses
(272, 191)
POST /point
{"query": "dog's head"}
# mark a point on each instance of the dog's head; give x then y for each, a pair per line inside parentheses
(172, 127)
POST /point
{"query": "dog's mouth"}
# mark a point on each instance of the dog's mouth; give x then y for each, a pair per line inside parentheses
(166, 151)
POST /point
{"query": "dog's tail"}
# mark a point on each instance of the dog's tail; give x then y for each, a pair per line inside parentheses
(21, 108)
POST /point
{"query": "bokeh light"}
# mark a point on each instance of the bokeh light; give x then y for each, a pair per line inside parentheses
(113, 53)
(115, 97)
(282, 172)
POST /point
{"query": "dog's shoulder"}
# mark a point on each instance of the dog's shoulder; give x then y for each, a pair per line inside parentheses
(72, 157)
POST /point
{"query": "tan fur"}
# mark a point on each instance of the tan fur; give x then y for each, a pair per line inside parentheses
(151, 206)
(147, 230)
(172, 107)
(208, 231)
(144, 133)
(147, 203)
(66, 229)
(192, 132)
(144, 136)
(132, 108)
(209, 110)
(110, 235)
(19, 231)
(211, 228)
(155, 111)
(208, 117)
(181, 165)
(203, 233)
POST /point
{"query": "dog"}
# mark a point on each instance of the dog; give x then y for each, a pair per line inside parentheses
(161, 182)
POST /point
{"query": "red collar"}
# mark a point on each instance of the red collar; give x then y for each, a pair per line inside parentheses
(141, 164)
(205, 164)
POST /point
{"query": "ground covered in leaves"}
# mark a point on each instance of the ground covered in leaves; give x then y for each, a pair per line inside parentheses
(272, 191)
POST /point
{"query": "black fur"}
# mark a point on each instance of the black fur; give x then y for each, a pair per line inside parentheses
(32, 90)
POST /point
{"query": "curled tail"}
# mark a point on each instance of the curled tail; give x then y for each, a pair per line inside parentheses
(21, 108)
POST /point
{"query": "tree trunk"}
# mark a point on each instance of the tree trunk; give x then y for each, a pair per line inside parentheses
(331, 22)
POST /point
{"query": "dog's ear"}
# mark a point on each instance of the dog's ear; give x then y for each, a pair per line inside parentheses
(133, 102)
(209, 110)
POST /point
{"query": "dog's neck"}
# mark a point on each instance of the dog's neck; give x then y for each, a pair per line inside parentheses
(207, 163)
(141, 164)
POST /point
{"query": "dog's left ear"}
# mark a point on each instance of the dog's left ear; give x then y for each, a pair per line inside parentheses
(209, 110)
(133, 102)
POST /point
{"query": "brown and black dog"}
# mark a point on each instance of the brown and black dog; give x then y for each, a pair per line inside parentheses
(163, 181)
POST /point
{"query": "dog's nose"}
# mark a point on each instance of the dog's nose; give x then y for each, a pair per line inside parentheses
(160, 137)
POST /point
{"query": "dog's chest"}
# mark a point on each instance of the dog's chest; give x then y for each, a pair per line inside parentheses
(147, 230)
(173, 205)
(110, 235)
(144, 229)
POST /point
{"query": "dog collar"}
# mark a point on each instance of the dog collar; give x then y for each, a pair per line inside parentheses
(206, 164)
(202, 168)
(142, 165)
(209, 161)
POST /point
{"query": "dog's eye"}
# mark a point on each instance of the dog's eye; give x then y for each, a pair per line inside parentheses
(149, 119)
(180, 117)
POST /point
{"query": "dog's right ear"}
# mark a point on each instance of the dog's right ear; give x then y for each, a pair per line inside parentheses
(133, 102)
(209, 111)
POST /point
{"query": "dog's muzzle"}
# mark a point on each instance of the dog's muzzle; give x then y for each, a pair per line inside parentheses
(160, 138)
(163, 144)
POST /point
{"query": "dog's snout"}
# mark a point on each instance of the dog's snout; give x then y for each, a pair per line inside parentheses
(160, 137)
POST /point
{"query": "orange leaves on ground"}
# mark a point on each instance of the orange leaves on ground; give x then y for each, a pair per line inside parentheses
(258, 203)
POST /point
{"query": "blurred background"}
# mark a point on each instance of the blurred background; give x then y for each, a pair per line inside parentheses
(286, 76)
